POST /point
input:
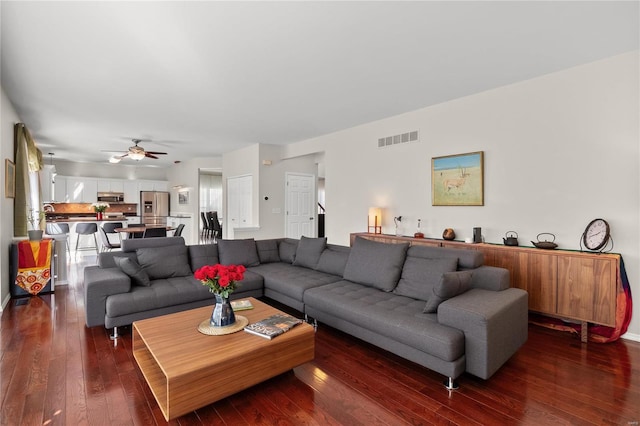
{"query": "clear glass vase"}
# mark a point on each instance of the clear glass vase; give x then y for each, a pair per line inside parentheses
(222, 314)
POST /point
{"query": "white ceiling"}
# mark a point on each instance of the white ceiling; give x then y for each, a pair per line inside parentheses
(202, 78)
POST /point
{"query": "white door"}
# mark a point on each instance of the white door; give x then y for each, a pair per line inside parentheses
(300, 205)
(239, 204)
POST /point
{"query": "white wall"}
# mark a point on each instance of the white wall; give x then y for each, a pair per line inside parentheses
(8, 117)
(559, 151)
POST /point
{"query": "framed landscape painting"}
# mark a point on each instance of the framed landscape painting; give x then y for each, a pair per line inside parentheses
(458, 180)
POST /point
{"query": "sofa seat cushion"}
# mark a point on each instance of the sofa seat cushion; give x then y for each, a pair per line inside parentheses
(251, 281)
(292, 280)
(396, 317)
(160, 294)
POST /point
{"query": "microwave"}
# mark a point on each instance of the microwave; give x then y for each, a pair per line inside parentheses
(111, 197)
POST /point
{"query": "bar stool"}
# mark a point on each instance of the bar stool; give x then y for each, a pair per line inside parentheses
(59, 229)
(87, 229)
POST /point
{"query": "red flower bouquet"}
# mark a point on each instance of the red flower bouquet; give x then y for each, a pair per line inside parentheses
(221, 279)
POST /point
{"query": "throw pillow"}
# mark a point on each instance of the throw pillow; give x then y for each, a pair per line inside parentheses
(287, 251)
(164, 262)
(130, 267)
(309, 251)
(238, 252)
(268, 251)
(375, 264)
(420, 275)
(452, 284)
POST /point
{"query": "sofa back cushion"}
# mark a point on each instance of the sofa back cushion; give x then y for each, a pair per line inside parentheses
(308, 251)
(203, 254)
(467, 259)
(375, 264)
(421, 275)
(333, 260)
(164, 262)
(287, 250)
(268, 251)
(238, 252)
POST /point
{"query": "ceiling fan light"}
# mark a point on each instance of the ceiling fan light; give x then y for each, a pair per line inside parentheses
(136, 155)
(114, 159)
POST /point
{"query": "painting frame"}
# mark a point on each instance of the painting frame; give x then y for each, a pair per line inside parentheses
(9, 179)
(183, 197)
(458, 180)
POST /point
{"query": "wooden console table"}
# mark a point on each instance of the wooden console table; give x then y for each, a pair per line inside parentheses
(572, 285)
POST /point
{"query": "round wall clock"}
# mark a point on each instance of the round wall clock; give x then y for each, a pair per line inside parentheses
(596, 235)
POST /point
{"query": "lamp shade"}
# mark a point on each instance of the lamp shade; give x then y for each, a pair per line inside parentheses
(375, 220)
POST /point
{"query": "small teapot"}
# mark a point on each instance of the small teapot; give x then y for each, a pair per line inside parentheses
(511, 240)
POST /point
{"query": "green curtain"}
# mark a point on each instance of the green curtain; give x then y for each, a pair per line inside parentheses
(28, 159)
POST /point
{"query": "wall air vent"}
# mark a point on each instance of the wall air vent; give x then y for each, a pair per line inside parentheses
(398, 139)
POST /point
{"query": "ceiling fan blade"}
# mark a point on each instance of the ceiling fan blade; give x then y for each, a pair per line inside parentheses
(150, 155)
(156, 153)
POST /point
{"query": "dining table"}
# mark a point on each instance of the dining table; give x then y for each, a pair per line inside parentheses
(140, 229)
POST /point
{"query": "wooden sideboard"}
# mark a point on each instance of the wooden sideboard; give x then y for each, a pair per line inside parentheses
(572, 285)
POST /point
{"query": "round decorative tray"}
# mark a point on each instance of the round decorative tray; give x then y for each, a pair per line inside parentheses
(205, 327)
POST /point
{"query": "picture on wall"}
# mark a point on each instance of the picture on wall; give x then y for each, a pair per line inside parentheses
(183, 197)
(9, 178)
(458, 180)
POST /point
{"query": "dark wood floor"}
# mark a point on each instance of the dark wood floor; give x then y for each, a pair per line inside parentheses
(55, 371)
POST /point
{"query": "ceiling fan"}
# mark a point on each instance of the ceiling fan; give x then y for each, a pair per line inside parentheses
(135, 152)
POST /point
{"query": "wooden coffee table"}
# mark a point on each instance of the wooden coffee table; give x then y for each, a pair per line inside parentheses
(187, 370)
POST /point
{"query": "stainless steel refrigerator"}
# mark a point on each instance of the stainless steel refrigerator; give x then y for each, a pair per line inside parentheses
(154, 207)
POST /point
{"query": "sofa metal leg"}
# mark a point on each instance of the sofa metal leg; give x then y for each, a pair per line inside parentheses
(114, 335)
(312, 321)
(450, 384)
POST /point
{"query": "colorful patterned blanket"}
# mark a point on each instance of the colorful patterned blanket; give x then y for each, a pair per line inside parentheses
(34, 265)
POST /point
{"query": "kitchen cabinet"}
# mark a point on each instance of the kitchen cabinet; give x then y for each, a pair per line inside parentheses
(152, 185)
(579, 286)
(131, 192)
(74, 189)
(110, 185)
(82, 190)
(60, 189)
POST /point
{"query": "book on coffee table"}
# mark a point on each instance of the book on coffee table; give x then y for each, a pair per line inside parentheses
(273, 326)
(241, 305)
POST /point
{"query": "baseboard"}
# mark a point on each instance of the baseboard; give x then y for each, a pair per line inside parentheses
(5, 302)
(631, 336)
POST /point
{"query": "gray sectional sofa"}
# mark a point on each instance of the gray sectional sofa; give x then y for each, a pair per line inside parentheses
(438, 307)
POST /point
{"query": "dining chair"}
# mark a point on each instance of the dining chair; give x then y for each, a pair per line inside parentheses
(178, 231)
(110, 228)
(155, 232)
(204, 235)
(216, 227)
(136, 234)
(107, 245)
